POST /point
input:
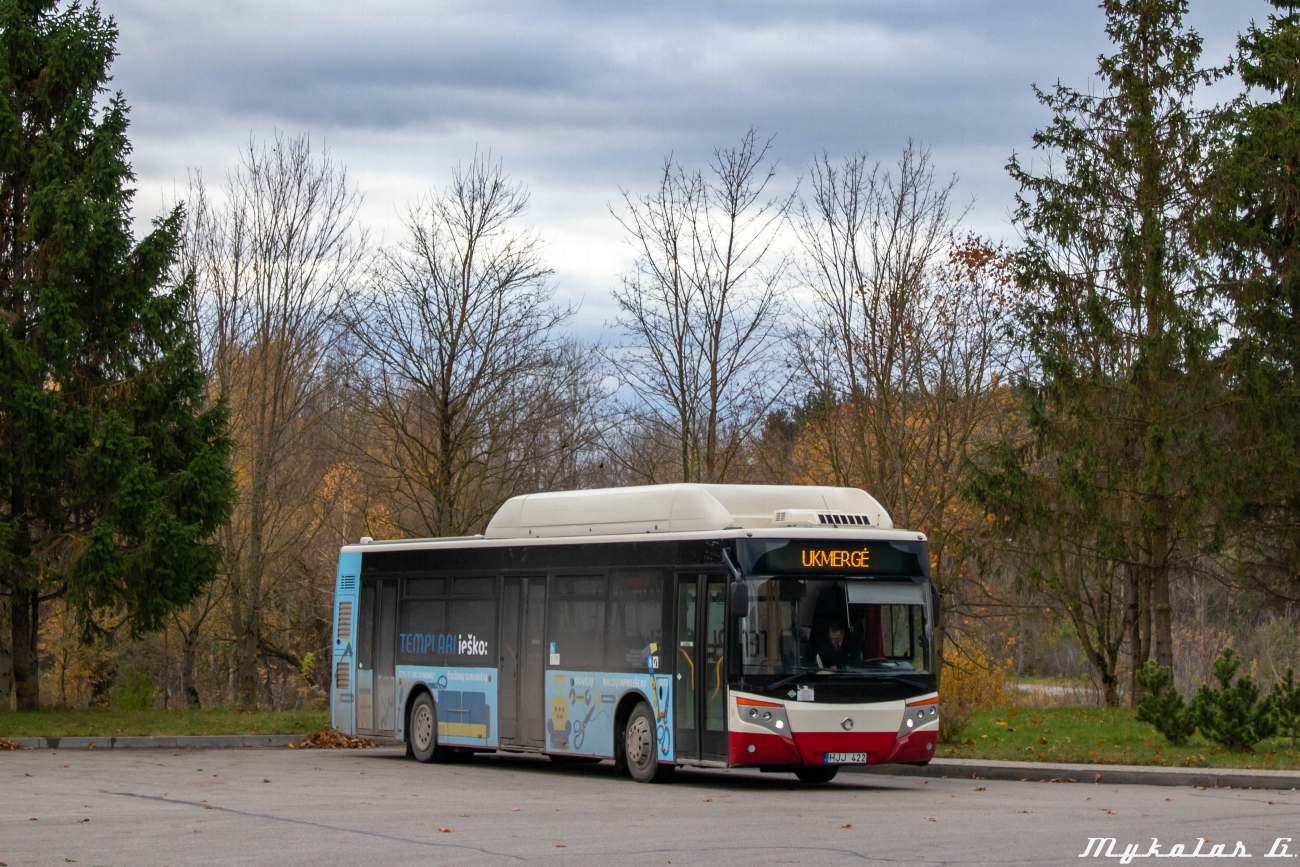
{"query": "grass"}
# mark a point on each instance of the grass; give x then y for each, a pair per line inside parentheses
(105, 722)
(1093, 735)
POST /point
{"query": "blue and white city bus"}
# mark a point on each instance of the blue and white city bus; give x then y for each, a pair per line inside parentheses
(779, 627)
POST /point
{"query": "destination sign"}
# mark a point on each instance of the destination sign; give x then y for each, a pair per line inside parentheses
(794, 556)
(835, 558)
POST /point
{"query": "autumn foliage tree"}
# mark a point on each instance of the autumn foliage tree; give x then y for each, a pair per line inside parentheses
(903, 356)
(275, 256)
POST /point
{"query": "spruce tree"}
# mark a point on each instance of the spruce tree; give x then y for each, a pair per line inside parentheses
(1162, 704)
(113, 471)
(1255, 232)
(1232, 716)
(1284, 703)
(1117, 328)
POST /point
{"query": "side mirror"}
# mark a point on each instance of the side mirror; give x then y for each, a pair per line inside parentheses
(738, 598)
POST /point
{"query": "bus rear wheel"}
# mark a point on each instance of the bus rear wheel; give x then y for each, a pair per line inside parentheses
(817, 773)
(421, 732)
(641, 747)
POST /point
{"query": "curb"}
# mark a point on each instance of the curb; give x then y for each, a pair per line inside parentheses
(1039, 772)
(202, 742)
(970, 769)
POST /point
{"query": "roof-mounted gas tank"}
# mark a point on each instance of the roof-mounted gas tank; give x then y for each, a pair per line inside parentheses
(684, 508)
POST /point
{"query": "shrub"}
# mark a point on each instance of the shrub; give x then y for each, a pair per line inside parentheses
(1232, 716)
(133, 690)
(1284, 703)
(969, 680)
(1162, 706)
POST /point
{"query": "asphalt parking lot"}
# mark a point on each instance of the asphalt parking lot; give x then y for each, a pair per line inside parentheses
(281, 806)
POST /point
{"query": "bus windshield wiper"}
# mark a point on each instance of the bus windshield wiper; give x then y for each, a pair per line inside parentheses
(804, 669)
(910, 677)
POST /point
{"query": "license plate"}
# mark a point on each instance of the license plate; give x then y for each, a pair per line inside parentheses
(846, 758)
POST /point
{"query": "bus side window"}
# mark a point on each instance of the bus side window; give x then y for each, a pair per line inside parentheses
(577, 627)
(635, 619)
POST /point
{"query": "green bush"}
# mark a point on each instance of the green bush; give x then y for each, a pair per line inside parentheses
(133, 690)
(1284, 702)
(1232, 716)
(1162, 705)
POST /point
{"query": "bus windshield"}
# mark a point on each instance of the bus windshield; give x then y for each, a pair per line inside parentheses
(872, 627)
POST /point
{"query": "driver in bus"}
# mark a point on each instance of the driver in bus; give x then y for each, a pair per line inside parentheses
(839, 647)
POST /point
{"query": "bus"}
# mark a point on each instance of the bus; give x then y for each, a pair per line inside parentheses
(784, 628)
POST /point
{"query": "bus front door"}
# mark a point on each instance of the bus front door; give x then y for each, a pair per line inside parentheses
(376, 644)
(700, 686)
(521, 714)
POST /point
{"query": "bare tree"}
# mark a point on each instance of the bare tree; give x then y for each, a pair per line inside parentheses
(904, 352)
(699, 311)
(471, 394)
(274, 258)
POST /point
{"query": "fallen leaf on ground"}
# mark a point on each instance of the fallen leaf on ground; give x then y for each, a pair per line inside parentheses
(849, 825)
(6, 744)
(931, 819)
(981, 788)
(330, 739)
(444, 830)
(1109, 811)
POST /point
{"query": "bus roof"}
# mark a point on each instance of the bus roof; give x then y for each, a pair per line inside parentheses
(821, 534)
(683, 508)
(689, 510)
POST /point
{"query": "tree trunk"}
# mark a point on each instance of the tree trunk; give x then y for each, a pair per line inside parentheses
(189, 692)
(1110, 689)
(246, 652)
(6, 655)
(102, 675)
(1162, 638)
(26, 628)
(1132, 601)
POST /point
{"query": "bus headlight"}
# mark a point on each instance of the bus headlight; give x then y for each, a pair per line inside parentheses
(766, 714)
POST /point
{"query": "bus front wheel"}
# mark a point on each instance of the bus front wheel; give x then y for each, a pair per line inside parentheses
(641, 747)
(422, 734)
(817, 773)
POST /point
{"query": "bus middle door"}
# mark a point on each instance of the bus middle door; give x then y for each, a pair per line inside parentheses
(700, 704)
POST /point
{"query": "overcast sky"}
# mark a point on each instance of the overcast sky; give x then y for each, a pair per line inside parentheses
(581, 98)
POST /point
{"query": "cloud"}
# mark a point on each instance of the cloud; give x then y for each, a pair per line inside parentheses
(581, 98)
